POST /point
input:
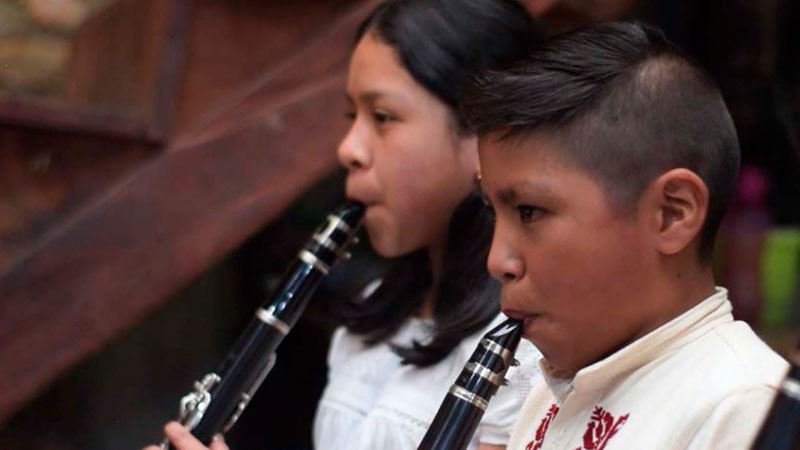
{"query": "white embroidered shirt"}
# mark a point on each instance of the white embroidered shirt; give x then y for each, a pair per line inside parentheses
(699, 382)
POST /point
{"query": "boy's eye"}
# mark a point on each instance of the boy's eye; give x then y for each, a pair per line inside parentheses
(528, 213)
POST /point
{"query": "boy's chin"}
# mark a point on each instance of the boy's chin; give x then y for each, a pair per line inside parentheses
(555, 371)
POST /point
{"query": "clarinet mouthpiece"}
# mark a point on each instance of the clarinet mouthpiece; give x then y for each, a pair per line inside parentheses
(351, 213)
(507, 334)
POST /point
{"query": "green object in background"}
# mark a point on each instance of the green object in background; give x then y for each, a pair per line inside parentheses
(780, 271)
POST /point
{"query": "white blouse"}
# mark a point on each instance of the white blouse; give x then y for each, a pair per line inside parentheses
(373, 402)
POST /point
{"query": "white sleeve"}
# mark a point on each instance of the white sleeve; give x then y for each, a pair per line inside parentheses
(501, 414)
(338, 350)
(380, 429)
(355, 411)
(734, 423)
(330, 418)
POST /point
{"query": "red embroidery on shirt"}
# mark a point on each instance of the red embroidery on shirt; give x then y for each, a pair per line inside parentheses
(538, 438)
(600, 429)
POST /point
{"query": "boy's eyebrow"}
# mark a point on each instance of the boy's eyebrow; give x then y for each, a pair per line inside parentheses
(511, 194)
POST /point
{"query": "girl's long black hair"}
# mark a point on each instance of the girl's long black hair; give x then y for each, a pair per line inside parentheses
(442, 43)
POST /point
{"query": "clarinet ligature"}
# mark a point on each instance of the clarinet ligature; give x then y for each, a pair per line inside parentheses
(463, 406)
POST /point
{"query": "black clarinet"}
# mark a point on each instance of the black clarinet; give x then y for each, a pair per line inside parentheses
(465, 403)
(220, 397)
(781, 428)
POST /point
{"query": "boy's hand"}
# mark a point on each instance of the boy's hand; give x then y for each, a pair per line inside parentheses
(182, 439)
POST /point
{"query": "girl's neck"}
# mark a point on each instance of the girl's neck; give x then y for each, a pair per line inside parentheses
(436, 256)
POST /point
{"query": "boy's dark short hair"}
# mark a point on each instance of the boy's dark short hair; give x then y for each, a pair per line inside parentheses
(625, 104)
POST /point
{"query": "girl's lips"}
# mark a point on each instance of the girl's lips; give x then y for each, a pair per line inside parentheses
(516, 314)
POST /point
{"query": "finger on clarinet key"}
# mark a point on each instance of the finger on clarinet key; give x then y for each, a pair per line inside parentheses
(218, 443)
(181, 438)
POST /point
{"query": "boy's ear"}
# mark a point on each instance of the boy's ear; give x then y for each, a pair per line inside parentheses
(678, 200)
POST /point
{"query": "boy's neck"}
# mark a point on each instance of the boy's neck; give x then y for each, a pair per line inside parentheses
(680, 285)
(676, 289)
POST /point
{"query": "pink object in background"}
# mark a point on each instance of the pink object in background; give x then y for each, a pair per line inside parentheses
(742, 236)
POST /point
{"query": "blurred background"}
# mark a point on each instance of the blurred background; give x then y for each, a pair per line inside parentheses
(161, 161)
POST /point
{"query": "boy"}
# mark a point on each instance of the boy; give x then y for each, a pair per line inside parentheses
(609, 159)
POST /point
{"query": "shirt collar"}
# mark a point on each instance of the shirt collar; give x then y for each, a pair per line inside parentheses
(690, 325)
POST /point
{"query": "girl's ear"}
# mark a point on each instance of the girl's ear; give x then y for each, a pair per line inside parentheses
(468, 154)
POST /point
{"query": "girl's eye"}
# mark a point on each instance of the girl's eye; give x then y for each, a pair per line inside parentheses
(382, 117)
(528, 213)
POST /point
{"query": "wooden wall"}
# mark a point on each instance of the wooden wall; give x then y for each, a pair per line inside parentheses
(123, 219)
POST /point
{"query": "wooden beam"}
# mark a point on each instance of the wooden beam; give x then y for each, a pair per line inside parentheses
(46, 175)
(281, 84)
(263, 32)
(43, 115)
(152, 233)
(128, 59)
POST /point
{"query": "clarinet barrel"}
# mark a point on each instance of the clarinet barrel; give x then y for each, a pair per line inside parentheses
(220, 397)
(781, 428)
(463, 406)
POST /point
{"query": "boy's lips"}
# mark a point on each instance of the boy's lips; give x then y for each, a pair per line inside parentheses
(517, 305)
(525, 316)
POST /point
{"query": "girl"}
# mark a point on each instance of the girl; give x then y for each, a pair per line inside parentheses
(413, 162)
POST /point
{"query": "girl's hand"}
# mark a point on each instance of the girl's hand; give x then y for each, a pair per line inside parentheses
(491, 447)
(182, 439)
